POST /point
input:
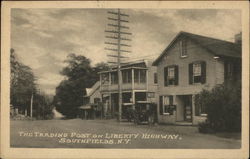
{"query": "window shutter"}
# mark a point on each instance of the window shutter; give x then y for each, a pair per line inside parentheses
(203, 72)
(190, 73)
(166, 76)
(225, 70)
(161, 105)
(176, 74)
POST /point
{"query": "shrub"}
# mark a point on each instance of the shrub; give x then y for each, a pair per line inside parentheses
(204, 127)
(223, 108)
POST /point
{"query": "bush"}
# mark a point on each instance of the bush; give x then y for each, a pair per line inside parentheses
(204, 127)
(223, 108)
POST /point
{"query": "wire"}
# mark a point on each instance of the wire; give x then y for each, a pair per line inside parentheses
(188, 48)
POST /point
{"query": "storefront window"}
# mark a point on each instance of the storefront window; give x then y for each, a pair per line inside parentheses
(168, 107)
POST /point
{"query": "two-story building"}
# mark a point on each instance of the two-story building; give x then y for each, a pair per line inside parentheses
(189, 64)
(139, 83)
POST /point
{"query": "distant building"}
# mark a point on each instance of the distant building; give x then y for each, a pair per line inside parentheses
(139, 83)
(91, 108)
(189, 64)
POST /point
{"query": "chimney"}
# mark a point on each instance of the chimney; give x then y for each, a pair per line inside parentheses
(238, 38)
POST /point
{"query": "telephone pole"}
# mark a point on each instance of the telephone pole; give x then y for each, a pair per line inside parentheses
(117, 35)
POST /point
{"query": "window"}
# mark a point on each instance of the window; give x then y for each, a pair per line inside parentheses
(114, 78)
(171, 75)
(155, 78)
(136, 76)
(151, 94)
(183, 48)
(140, 76)
(168, 105)
(105, 78)
(229, 69)
(197, 72)
(199, 106)
(126, 76)
(97, 100)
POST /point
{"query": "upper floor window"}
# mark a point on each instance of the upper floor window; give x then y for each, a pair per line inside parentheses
(197, 72)
(171, 75)
(228, 70)
(105, 78)
(155, 78)
(114, 78)
(126, 76)
(139, 76)
(183, 48)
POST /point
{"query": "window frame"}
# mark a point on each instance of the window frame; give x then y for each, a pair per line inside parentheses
(167, 105)
(171, 79)
(195, 74)
(138, 76)
(155, 78)
(195, 78)
(114, 77)
(183, 48)
(105, 81)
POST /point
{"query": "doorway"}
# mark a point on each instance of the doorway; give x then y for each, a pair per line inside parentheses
(184, 108)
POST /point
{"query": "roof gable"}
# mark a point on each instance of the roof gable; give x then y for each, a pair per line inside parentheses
(215, 46)
(93, 89)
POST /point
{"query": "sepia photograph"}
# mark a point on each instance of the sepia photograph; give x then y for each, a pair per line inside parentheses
(120, 78)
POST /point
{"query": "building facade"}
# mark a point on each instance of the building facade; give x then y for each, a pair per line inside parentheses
(139, 83)
(189, 64)
(91, 107)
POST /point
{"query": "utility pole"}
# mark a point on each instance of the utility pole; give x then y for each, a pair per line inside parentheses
(116, 33)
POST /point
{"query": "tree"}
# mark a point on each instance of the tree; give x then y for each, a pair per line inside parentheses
(23, 86)
(223, 107)
(79, 76)
(22, 83)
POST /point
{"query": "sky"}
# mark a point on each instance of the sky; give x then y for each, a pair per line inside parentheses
(42, 38)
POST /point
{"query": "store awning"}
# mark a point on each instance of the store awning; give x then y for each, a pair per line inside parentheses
(85, 107)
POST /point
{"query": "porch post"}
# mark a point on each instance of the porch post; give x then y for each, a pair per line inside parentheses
(193, 108)
(133, 87)
(147, 79)
(175, 111)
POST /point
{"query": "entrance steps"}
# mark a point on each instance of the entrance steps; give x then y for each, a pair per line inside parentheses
(183, 123)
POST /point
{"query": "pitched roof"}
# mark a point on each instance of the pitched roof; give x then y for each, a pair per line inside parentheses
(91, 90)
(141, 63)
(215, 46)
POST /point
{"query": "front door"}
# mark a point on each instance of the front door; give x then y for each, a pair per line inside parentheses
(188, 108)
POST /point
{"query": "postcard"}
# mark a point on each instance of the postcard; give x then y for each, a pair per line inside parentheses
(142, 79)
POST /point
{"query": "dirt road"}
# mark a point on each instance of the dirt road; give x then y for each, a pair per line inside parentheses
(77, 133)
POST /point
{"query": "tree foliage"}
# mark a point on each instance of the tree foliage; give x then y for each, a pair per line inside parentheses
(22, 83)
(79, 76)
(223, 107)
(23, 86)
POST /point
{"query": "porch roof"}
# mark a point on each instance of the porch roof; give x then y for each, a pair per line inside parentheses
(127, 68)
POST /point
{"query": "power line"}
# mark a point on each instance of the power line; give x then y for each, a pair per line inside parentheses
(188, 48)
